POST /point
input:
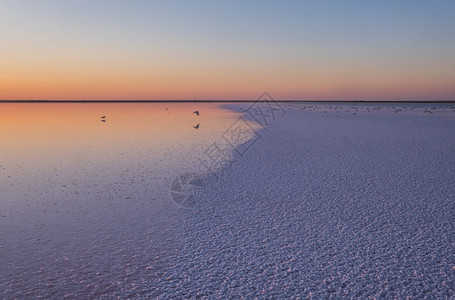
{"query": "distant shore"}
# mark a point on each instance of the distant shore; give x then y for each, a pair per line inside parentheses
(220, 101)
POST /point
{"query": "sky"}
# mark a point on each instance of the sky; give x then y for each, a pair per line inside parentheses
(226, 50)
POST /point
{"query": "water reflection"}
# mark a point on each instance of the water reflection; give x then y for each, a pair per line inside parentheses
(85, 206)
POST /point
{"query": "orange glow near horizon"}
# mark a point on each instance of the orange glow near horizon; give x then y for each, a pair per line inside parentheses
(55, 80)
(299, 51)
(224, 87)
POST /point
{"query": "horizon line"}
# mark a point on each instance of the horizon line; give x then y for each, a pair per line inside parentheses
(224, 101)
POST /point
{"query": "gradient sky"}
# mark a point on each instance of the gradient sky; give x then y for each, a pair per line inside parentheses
(132, 49)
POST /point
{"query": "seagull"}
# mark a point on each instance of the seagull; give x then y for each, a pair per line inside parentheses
(196, 112)
(196, 127)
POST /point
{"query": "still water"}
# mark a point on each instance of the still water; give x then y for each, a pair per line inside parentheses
(85, 208)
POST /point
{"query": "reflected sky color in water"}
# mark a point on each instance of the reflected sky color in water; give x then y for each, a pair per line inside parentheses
(85, 204)
(78, 128)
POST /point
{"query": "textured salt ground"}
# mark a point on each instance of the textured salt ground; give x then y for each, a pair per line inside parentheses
(327, 205)
(250, 233)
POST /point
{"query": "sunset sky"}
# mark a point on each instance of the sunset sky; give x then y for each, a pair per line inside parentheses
(221, 50)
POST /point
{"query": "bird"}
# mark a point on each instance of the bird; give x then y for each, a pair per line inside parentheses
(103, 117)
(103, 121)
(196, 127)
(196, 112)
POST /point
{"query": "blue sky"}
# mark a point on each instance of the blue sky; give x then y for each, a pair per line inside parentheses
(393, 50)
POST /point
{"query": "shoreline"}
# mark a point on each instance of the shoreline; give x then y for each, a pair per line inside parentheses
(326, 205)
